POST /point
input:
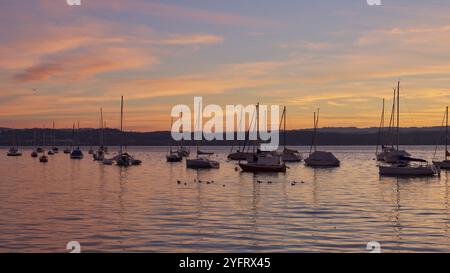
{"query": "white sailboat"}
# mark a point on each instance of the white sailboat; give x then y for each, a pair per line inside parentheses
(445, 164)
(183, 150)
(54, 148)
(43, 158)
(320, 159)
(123, 159)
(14, 150)
(389, 153)
(404, 165)
(239, 153)
(173, 156)
(34, 154)
(76, 153)
(288, 155)
(259, 161)
(99, 155)
(202, 160)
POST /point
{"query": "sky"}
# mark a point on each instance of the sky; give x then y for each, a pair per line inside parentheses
(62, 63)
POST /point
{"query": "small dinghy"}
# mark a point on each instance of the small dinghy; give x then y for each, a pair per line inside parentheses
(50, 152)
(66, 150)
(34, 154)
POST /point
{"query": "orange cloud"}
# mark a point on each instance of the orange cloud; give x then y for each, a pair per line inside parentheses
(192, 39)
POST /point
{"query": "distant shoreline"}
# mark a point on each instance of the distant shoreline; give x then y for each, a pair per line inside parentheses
(326, 137)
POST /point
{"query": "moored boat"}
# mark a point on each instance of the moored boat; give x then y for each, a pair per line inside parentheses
(405, 169)
(320, 159)
(399, 162)
(444, 164)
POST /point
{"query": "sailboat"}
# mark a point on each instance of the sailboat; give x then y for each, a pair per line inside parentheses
(445, 164)
(404, 165)
(34, 153)
(123, 159)
(43, 158)
(262, 161)
(239, 153)
(183, 150)
(54, 148)
(320, 158)
(67, 149)
(389, 153)
(14, 150)
(76, 153)
(173, 156)
(99, 155)
(288, 155)
(201, 161)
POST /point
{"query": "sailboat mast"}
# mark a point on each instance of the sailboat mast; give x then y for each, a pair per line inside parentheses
(78, 134)
(170, 137)
(257, 128)
(102, 127)
(380, 133)
(446, 134)
(314, 134)
(398, 115)
(73, 134)
(181, 131)
(121, 124)
(199, 129)
(284, 116)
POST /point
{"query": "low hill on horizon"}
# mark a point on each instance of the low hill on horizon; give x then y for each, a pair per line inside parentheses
(325, 136)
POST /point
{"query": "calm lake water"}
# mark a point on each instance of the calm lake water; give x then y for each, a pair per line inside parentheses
(144, 209)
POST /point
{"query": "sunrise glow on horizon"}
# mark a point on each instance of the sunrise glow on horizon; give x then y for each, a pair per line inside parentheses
(62, 63)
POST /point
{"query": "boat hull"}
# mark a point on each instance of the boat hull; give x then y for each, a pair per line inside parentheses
(322, 164)
(445, 165)
(292, 158)
(239, 156)
(174, 159)
(254, 167)
(408, 171)
(202, 164)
